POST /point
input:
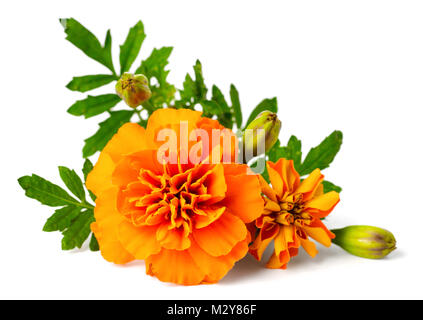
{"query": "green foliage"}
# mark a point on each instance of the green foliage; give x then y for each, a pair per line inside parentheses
(131, 47)
(93, 243)
(322, 155)
(94, 105)
(154, 67)
(75, 235)
(73, 182)
(82, 38)
(329, 186)
(87, 83)
(45, 192)
(62, 218)
(194, 91)
(106, 131)
(236, 106)
(73, 217)
(318, 157)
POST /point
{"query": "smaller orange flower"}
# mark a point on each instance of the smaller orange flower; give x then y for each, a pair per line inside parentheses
(292, 213)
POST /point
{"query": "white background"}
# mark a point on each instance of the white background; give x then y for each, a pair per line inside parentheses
(356, 66)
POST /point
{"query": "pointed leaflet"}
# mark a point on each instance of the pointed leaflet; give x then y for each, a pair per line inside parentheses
(94, 105)
(225, 116)
(266, 104)
(94, 243)
(86, 169)
(194, 90)
(329, 186)
(236, 106)
(86, 83)
(154, 67)
(76, 234)
(291, 152)
(73, 182)
(46, 192)
(61, 219)
(106, 131)
(131, 47)
(82, 38)
(322, 155)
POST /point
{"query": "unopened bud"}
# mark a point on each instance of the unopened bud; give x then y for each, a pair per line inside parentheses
(365, 241)
(261, 134)
(133, 89)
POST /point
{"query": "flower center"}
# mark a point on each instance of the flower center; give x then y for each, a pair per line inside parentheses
(168, 198)
(291, 210)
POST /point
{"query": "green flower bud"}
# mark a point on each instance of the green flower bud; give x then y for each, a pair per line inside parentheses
(365, 241)
(133, 89)
(263, 129)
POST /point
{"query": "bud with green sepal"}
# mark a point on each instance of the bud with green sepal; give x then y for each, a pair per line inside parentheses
(133, 89)
(264, 129)
(365, 241)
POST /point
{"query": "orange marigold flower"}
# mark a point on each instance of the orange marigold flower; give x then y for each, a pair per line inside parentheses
(292, 213)
(186, 220)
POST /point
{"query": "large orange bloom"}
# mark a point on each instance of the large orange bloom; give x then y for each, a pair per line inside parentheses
(292, 213)
(187, 221)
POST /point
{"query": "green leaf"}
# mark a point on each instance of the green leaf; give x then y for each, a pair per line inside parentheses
(46, 192)
(194, 91)
(322, 155)
(266, 104)
(329, 186)
(106, 131)
(94, 105)
(94, 243)
(291, 152)
(199, 80)
(76, 234)
(73, 182)
(219, 98)
(211, 108)
(87, 168)
(225, 114)
(236, 106)
(86, 83)
(131, 47)
(154, 67)
(61, 219)
(83, 39)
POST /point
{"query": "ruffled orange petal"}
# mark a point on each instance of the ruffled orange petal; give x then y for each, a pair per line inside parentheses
(275, 180)
(174, 266)
(289, 176)
(141, 242)
(265, 236)
(319, 235)
(221, 236)
(128, 168)
(216, 268)
(105, 228)
(322, 205)
(267, 190)
(173, 239)
(310, 185)
(100, 177)
(211, 215)
(309, 247)
(243, 196)
(130, 138)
